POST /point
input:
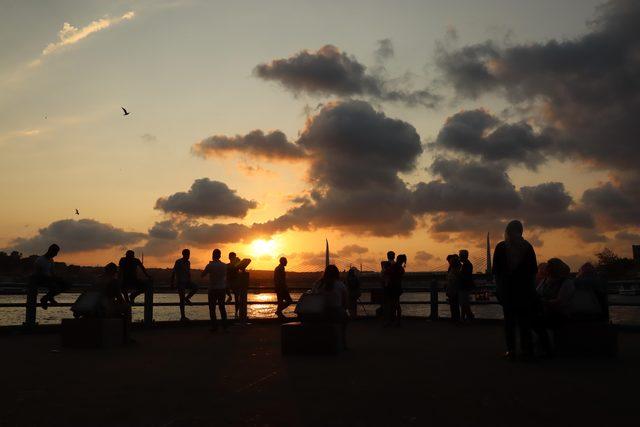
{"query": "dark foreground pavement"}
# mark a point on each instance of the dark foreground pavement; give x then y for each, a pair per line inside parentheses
(423, 374)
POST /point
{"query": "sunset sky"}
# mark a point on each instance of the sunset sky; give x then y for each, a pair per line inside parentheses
(265, 127)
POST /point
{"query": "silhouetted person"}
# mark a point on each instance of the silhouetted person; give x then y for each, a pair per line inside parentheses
(514, 269)
(385, 275)
(105, 300)
(335, 298)
(555, 292)
(181, 278)
(282, 291)
(44, 276)
(453, 286)
(394, 290)
(466, 285)
(128, 271)
(232, 280)
(217, 271)
(353, 288)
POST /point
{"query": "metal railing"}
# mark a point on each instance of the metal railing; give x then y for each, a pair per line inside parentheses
(433, 289)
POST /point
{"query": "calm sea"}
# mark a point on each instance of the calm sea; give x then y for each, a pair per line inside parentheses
(15, 316)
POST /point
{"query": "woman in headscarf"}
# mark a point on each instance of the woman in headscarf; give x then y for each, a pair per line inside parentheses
(514, 269)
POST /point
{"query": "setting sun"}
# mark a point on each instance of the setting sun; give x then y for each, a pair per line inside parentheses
(262, 247)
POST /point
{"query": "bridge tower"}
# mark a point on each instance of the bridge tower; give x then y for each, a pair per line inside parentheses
(326, 254)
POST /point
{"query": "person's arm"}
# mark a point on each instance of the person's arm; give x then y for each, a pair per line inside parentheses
(173, 275)
(144, 270)
(205, 271)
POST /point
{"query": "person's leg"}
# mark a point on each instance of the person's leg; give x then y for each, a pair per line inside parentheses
(212, 309)
(181, 296)
(509, 328)
(243, 304)
(193, 289)
(223, 309)
(139, 287)
(454, 306)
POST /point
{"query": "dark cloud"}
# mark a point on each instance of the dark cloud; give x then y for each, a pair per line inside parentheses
(549, 206)
(385, 50)
(148, 137)
(628, 236)
(356, 154)
(353, 250)
(209, 235)
(272, 146)
(328, 71)
(76, 236)
(423, 257)
(466, 186)
(479, 133)
(590, 236)
(162, 239)
(617, 204)
(587, 88)
(206, 198)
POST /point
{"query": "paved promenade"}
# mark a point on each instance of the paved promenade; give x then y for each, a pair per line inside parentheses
(423, 374)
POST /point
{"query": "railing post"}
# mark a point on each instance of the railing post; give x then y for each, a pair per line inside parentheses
(434, 300)
(148, 304)
(32, 304)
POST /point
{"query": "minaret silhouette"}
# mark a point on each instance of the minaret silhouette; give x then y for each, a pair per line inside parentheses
(326, 255)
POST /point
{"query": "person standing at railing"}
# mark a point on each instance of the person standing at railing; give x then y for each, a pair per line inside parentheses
(181, 277)
(44, 276)
(514, 268)
(232, 281)
(466, 285)
(353, 287)
(128, 274)
(217, 271)
(282, 291)
(453, 286)
(394, 290)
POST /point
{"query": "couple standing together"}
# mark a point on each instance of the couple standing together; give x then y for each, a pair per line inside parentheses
(392, 272)
(460, 285)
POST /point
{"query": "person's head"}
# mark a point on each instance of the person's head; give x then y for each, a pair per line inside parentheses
(130, 254)
(557, 269)
(52, 251)
(402, 259)
(330, 276)
(110, 270)
(353, 271)
(587, 270)
(186, 253)
(232, 256)
(453, 261)
(216, 254)
(463, 254)
(543, 271)
(283, 261)
(513, 231)
(391, 255)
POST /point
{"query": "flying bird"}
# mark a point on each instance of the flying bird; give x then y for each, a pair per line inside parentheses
(126, 113)
(77, 212)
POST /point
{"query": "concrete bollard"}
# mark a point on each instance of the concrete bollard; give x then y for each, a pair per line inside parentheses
(434, 301)
(32, 304)
(148, 304)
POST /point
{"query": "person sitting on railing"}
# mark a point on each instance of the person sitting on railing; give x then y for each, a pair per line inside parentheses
(335, 298)
(128, 271)
(44, 276)
(181, 277)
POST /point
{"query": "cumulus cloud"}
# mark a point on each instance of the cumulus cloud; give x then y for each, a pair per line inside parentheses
(206, 198)
(385, 50)
(70, 35)
(355, 155)
(353, 250)
(329, 71)
(423, 257)
(76, 236)
(207, 235)
(479, 133)
(272, 146)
